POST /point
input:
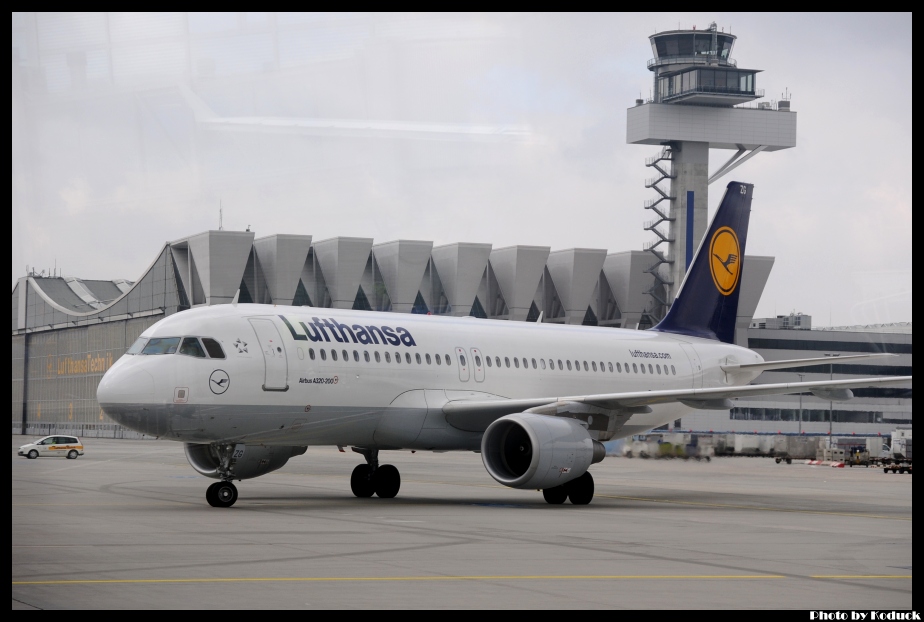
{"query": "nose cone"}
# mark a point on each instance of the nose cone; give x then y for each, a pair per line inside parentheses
(126, 394)
(125, 384)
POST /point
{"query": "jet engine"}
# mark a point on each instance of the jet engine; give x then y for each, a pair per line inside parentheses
(527, 450)
(246, 461)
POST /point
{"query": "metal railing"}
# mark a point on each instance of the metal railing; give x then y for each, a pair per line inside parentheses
(704, 59)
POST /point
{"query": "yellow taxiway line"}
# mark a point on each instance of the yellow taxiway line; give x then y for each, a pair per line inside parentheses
(729, 577)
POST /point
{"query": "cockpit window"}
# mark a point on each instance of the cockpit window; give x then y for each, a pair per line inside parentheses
(161, 345)
(192, 347)
(214, 348)
(138, 346)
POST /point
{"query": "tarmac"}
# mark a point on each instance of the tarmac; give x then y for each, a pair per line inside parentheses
(127, 526)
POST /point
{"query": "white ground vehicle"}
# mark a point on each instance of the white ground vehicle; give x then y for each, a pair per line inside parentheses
(68, 446)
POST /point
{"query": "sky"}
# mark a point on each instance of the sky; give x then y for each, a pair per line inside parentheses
(113, 156)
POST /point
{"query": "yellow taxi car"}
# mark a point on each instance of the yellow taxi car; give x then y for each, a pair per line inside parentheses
(68, 446)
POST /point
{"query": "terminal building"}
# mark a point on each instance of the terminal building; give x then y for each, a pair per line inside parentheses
(66, 331)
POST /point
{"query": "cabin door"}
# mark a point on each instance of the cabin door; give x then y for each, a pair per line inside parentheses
(274, 355)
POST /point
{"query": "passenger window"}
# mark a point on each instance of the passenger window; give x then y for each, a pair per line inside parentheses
(439, 361)
(650, 369)
(506, 361)
(577, 366)
(569, 364)
(594, 365)
(658, 367)
(586, 368)
(601, 365)
(333, 355)
(533, 361)
(461, 360)
(388, 357)
(191, 347)
(634, 368)
(448, 360)
(611, 367)
(407, 358)
(366, 355)
(429, 362)
(213, 348)
(551, 364)
(398, 357)
(542, 361)
(477, 361)
(673, 371)
(487, 360)
(346, 356)
(355, 356)
(560, 366)
(497, 361)
(643, 367)
(378, 357)
(323, 354)
(418, 358)
(138, 346)
(516, 362)
(311, 353)
(161, 345)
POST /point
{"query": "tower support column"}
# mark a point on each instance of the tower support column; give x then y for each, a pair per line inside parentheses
(689, 207)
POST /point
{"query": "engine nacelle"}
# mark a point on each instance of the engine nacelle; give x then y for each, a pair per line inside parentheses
(256, 460)
(527, 450)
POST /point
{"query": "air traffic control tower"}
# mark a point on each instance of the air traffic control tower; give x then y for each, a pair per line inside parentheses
(700, 101)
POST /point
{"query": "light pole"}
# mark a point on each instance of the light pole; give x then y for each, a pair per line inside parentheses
(831, 402)
(801, 376)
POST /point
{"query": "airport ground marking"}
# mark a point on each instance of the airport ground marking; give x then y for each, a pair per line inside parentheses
(755, 507)
(861, 576)
(403, 579)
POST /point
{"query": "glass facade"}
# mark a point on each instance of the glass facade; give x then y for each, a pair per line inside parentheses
(723, 81)
(692, 44)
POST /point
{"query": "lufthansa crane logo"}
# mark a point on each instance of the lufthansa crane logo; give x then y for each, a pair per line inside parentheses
(725, 260)
(219, 381)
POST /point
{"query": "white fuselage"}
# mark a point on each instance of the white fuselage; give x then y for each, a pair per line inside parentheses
(306, 382)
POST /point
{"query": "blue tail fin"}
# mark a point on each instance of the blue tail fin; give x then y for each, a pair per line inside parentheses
(707, 304)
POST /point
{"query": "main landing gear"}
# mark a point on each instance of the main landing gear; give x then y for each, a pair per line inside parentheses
(580, 491)
(372, 479)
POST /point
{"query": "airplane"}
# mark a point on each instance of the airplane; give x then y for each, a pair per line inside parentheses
(246, 387)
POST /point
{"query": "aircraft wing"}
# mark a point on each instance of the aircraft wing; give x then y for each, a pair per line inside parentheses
(477, 415)
(790, 363)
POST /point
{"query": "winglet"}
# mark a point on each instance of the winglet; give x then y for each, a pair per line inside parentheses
(237, 295)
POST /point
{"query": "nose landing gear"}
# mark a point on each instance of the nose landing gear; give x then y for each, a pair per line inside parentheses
(221, 494)
(372, 479)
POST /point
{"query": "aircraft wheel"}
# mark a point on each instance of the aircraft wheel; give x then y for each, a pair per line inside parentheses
(32, 455)
(224, 494)
(387, 481)
(556, 495)
(210, 493)
(360, 482)
(581, 490)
